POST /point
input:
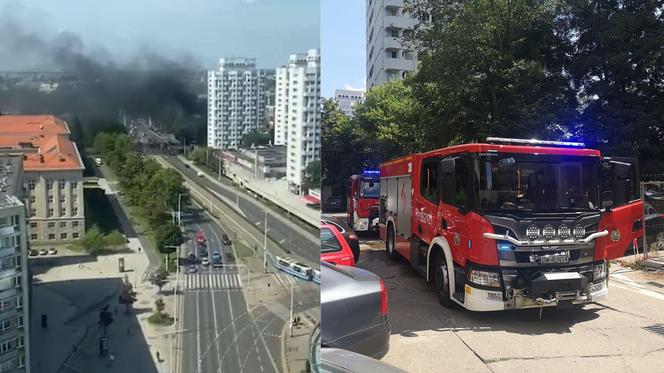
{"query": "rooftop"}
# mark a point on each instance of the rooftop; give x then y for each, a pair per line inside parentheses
(10, 171)
(42, 139)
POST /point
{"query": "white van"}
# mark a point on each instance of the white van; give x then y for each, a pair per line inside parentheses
(98, 161)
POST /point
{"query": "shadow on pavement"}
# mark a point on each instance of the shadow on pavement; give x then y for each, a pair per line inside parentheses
(40, 265)
(71, 339)
(413, 306)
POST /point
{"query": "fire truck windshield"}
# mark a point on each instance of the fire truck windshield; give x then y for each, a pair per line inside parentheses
(537, 183)
(370, 188)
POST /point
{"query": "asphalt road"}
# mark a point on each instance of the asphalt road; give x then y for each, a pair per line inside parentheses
(218, 333)
(291, 238)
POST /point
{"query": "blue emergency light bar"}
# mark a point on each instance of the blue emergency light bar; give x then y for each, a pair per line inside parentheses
(371, 173)
(502, 140)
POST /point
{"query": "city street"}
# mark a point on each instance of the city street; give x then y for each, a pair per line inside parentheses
(217, 331)
(624, 333)
(293, 238)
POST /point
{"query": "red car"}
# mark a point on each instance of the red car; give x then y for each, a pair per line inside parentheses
(333, 247)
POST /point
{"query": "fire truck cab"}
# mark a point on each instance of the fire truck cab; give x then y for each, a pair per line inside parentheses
(511, 223)
(362, 203)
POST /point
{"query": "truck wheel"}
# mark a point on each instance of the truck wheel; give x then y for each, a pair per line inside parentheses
(390, 244)
(442, 280)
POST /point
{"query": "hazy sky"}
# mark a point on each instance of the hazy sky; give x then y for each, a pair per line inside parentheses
(202, 30)
(343, 45)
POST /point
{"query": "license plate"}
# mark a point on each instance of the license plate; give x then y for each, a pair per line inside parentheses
(561, 257)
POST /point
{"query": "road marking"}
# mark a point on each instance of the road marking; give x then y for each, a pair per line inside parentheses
(281, 241)
(198, 332)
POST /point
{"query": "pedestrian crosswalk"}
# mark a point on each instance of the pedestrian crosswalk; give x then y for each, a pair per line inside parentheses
(284, 279)
(211, 280)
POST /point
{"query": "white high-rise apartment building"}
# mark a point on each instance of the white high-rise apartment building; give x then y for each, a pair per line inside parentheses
(387, 59)
(14, 280)
(346, 98)
(297, 114)
(236, 101)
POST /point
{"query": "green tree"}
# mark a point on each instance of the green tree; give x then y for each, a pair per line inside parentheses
(255, 138)
(346, 147)
(127, 294)
(159, 278)
(491, 67)
(199, 156)
(168, 237)
(115, 239)
(93, 241)
(618, 66)
(159, 305)
(312, 175)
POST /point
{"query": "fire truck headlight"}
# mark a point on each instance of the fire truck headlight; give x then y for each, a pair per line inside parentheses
(484, 278)
(599, 272)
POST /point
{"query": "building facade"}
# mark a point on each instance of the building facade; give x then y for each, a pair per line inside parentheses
(14, 279)
(346, 98)
(236, 101)
(297, 114)
(387, 58)
(52, 177)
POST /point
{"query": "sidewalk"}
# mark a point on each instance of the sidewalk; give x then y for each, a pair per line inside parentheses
(275, 191)
(72, 295)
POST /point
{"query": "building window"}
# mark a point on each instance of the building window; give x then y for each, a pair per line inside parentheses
(5, 304)
(51, 224)
(63, 236)
(19, 321)
(21, 343)
(33, 236)
(74, 235)
(61, 183)
(19, 301)
(74, 211)
(62, 199)
(33, 199)
(49, 184)
(33, 212)
(33, 224)
(50, 199)
(31, 184)
(5, 346)
(51, 236)
(63, 224)
(50, 212)
(4, 325)
(74, 224)
(73, 184)
(21, 360)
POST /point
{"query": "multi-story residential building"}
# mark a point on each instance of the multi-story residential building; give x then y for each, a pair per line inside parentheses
(14, 279)
(53, 175)
(387, 58)
(346, 98)
(297, 114)
(236, 101)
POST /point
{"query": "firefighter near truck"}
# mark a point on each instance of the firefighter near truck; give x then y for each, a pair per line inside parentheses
(511, 223)
(362, 206)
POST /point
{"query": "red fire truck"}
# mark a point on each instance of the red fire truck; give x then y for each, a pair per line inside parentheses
(511, 223)
(362, 204)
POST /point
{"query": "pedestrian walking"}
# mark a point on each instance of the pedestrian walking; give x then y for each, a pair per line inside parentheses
(158, 357)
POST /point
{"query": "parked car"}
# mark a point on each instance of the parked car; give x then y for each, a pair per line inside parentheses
(52, 251)
(43, 252)
(334, 203)
(334, 360)
(347, 232)
(199, 174)
(192, 269)
(34, 252)
(333, 247)
(225, 239)
(192, 258)
(354, 307)
(205, 261)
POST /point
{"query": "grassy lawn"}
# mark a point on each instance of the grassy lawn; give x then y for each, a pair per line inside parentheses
(98, 211)
(242, 250)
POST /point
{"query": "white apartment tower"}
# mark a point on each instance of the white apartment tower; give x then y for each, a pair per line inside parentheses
(236, 101)
(387, 59)
(297, 114)
(14, 279)
(346, 98)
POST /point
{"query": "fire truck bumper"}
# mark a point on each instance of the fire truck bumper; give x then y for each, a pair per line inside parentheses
(361, 224)
(488, 300)
(483, 300)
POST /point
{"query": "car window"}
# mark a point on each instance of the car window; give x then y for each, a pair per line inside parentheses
(328, 242)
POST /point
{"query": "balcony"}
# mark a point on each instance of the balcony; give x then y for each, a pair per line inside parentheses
(400, 21)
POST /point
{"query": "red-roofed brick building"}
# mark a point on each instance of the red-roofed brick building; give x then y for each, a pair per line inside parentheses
(53, 177)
